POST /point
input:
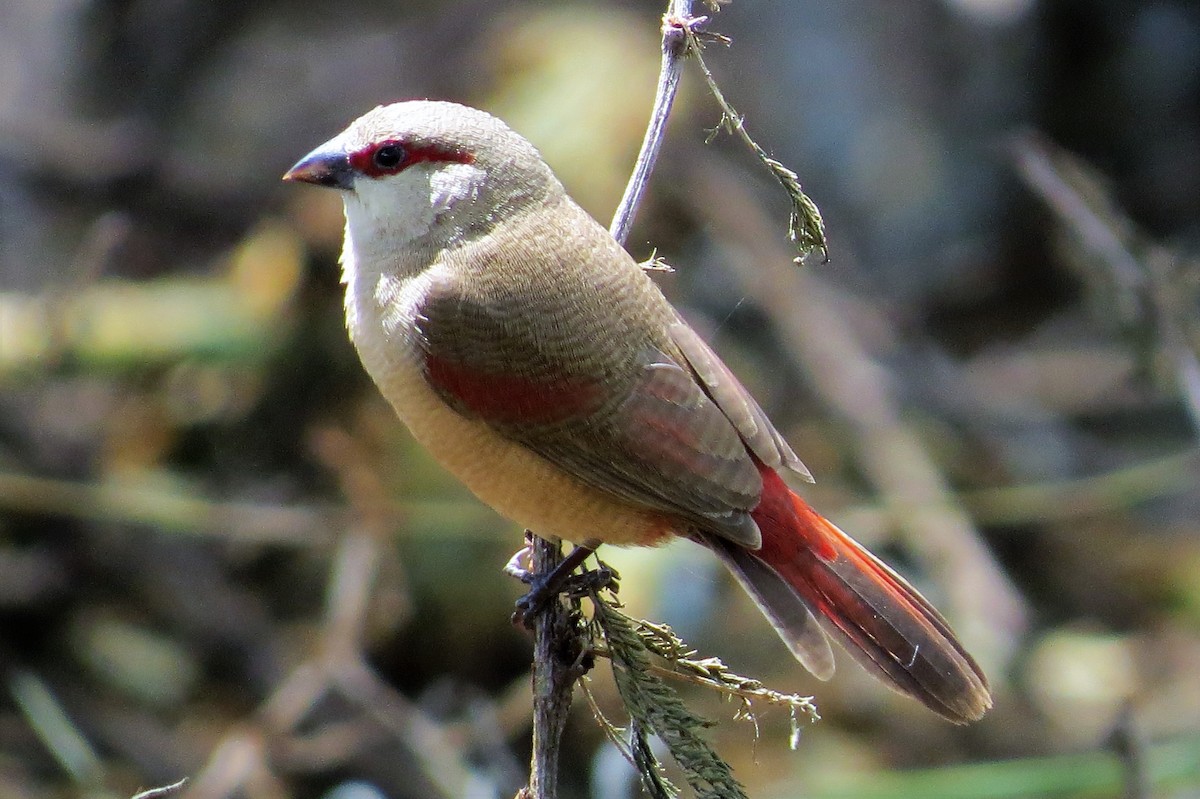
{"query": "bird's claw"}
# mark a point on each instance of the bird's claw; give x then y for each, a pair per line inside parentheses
(590, 581)
(515, 567)
(527, 608)
(544, 587)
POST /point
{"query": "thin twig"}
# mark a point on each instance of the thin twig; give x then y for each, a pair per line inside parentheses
(54, 727)
(1118, 489)
(1130, 746)
(674, 48)
(557, 642)
(151, 504)
(806, 228)
(553, 680)
(1147, 276)
(745, 693)
(437, 751)
(161, 791)
(1035, 162)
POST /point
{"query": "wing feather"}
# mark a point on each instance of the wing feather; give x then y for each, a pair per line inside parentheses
(607, 382)
(731, 397)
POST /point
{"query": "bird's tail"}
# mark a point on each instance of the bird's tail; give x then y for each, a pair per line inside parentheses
(811, 579)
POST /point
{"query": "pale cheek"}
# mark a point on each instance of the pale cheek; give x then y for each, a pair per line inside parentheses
(452, 184)
(385, 215)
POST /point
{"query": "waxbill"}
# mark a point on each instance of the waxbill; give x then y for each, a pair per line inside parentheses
(540, 364)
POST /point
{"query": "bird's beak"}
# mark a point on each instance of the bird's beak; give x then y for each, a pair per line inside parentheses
(324, 167)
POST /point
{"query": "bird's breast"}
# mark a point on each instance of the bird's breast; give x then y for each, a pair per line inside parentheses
(382, 314)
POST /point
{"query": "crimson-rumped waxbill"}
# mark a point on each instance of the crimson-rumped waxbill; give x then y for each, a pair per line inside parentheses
(540, 364)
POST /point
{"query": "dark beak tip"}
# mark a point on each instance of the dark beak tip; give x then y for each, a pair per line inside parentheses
(322, 169)
(300, 173)
(306, 171)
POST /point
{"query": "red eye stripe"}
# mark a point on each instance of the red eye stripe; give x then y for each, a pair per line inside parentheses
(365, 161)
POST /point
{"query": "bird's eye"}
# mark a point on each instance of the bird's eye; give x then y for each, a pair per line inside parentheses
(388, 156)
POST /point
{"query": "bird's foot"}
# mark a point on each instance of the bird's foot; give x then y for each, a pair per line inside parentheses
(515, 566)
(560, 580)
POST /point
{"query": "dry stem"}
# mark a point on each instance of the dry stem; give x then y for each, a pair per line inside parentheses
(553, 679)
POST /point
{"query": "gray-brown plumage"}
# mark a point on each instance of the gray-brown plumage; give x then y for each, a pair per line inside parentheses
(540, 364)
(653, 436)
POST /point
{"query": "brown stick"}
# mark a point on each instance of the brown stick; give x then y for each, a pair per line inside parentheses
(553, 680)
(674, 47)
(554, 669)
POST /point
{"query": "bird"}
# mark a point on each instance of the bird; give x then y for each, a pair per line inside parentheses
(541, 365)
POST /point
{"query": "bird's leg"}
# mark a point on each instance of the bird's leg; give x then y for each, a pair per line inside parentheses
(549, 584)
(515, 567)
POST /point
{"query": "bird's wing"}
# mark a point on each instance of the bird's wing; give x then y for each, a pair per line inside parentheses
(732, 398)
(563, 380)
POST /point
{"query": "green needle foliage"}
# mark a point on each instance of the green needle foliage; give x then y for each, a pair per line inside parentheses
(655, 707)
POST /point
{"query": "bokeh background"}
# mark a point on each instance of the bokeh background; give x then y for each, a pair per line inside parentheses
(222, 558)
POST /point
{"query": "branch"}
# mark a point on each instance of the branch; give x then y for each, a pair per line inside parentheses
(554, 629)
(806, 228)
(161, 792)
(1151, 285)
(676, 24)
(682, 37)
(558, 644)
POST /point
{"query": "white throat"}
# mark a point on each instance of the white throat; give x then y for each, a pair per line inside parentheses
(395, 228)
(415, 209)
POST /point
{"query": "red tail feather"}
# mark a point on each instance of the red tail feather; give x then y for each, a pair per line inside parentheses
(873, 612)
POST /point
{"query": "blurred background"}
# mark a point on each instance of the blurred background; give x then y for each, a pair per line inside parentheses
(222, 558)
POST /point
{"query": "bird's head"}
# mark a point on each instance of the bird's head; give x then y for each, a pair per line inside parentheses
(428, 174)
